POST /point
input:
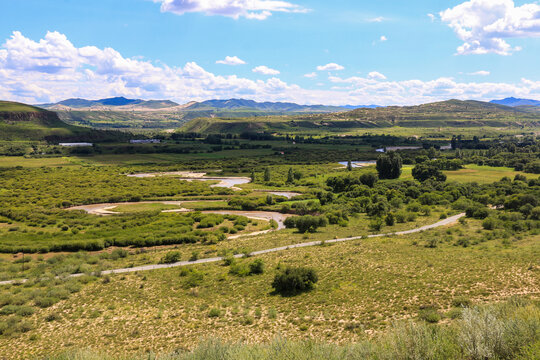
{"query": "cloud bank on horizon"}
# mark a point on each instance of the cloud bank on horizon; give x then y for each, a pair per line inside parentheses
(53, 68)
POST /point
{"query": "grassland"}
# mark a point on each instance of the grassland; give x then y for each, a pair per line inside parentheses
(364, 286)
(473, 173)
(12, 161)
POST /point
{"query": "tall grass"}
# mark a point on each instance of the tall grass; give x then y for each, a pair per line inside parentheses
(509, 330)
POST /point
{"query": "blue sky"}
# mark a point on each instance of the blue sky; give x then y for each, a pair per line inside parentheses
(384, 52)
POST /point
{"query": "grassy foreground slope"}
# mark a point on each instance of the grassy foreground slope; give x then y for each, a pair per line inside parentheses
(454, 113)
(24, 122)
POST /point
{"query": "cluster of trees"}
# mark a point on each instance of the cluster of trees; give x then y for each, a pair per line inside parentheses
(389, 165)
(306, 223)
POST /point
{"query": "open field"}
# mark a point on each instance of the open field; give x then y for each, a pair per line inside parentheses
(11, 161)
(364, 285)
(473, 173)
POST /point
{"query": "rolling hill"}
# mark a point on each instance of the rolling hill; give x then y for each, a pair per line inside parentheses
(25, 122)
(451, 113)
(122, 113)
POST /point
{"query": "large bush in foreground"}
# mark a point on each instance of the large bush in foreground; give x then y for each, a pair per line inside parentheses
(293, 280)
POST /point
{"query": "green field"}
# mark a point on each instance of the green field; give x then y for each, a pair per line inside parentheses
(11, 161)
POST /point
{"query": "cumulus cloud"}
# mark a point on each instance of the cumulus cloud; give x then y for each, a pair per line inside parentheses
(376, 76)
(432, 17)
(311, 75)
(480, 73)
(383, 38)
(330, 67)
(53, 69)
(250, 9)
(265, 70)
(485, 25)
(231, 60)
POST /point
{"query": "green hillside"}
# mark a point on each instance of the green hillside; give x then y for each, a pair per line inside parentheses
(451, 113)
(24, 122)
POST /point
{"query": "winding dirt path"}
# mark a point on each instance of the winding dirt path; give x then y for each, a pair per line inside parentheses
(447, 221)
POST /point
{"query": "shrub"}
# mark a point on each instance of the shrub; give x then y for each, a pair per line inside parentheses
(376, 224)
(293, 280)
(256, 267)
(170, 257)
(429, 315)
(306, 223)
(9, 309)
(46, 301)
(239, 269)
(194, 256)
(25, 311)
(214, 312)
(390, 219)
(462, 301)
(193, 278)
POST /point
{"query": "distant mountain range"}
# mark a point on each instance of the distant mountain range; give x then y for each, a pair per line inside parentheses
(514, 102)
(110, 103)
(121, 103)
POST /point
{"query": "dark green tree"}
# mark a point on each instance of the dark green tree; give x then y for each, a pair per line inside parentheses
(290, 176)
(423, 172)
(267, 175)
(389, 165)
(349, 165)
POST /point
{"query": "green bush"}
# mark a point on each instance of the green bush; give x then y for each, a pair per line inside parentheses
(429, 315)
(170, 257)
(45, 301)
(293, 280)
(256, 267)
(214, 312)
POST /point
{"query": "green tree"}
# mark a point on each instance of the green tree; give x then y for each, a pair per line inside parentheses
(267, 175)
(423, 172)
(389, 165)
(252, 175)
(349, 165)
(290, 176)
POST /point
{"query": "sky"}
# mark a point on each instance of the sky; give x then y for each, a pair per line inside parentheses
(310, 52)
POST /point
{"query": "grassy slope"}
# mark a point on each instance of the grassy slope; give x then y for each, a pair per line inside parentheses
(24, 122)
(363, 285)
(452, 113)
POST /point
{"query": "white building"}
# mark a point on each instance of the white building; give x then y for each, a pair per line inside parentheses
(146, 141)
(75, 144)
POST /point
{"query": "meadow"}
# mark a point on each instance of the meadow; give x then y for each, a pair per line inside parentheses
(367, 291)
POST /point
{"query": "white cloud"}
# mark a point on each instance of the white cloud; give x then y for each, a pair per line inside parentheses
(231, 60)
(54, 69)
(480, 73)
(383, 38)
(376, 76)
(265, 70)
(311, 75)
(330, 67)
(376, 19)
(484, 25)
(432, 17)
(250, 9)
